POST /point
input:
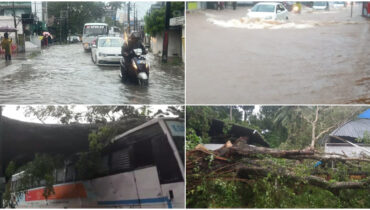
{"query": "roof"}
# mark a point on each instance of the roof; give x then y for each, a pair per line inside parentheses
(353, 129)
(149, 123)
(365, 114)
(273, 3)
(96, 24)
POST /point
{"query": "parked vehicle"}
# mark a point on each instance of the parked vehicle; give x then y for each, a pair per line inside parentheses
(140, 168)
(268, 11)
(91, 31)
(320, 5)
(366, 9)
(115, 31)
(107, 50)
(137, 69)
(73, 39)
(339, 4)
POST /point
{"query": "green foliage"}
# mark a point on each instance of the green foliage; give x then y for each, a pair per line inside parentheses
(192, 140)
(79, 13)
(10, 169)
(155, 21)
(87, 165)
(365, 139)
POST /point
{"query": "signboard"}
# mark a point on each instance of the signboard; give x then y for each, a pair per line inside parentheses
(177, 21)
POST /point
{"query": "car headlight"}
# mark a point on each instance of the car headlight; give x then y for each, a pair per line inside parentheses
(134, 65)
(102, 54)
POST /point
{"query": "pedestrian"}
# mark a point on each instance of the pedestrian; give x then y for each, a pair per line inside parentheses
(49, 39)
(45, 40)
(6, 44)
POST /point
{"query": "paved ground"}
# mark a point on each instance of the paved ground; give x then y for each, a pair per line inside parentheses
(315, 58)
(65, 74)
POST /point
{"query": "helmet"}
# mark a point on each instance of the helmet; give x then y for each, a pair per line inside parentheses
(135, 35)
(6, 35)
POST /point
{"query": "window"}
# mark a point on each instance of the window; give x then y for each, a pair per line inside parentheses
(121, 160)
(167, 165)
(143, 154)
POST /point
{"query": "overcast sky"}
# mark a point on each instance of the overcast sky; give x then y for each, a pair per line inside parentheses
(12, 112)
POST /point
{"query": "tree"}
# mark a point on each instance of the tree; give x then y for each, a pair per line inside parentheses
(79, 13)
(155, 20)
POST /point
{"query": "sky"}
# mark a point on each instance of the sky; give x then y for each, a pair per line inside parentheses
(11, 111)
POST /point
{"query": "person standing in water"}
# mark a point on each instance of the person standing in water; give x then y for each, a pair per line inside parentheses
(6, 45)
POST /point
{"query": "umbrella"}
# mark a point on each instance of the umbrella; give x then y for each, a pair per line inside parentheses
(46, 33)
(7, 29)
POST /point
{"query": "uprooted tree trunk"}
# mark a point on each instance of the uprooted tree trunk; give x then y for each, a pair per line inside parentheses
(244, 162)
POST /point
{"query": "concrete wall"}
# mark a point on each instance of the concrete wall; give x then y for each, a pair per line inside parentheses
(175, 41)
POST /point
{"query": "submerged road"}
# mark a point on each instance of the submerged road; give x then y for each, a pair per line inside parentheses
(316, 57)
(65, 74)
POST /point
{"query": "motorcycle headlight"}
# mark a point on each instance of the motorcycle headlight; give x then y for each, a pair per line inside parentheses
(147, 65)
(134, 65)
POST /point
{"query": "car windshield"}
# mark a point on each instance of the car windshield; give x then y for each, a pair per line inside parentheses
(95, 29)
(339, 2)
(319, 3)
(110, 42)
(263, 8)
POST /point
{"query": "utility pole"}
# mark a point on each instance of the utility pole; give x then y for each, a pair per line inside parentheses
(128, 17)
(134, 16)
(2, 185)
(166, 29)
(15, 26)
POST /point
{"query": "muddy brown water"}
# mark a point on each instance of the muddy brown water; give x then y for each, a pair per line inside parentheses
(66, 74)
(325, 63)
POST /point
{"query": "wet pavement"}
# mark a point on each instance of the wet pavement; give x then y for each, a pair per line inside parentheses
(317, 57)
(65, 74)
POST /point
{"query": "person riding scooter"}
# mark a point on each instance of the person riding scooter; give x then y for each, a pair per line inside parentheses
(134, 42)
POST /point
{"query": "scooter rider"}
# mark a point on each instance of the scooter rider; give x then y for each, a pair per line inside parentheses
(134, 42)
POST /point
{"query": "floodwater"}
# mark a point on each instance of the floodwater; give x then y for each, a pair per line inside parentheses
(317, 57)
(65, 74)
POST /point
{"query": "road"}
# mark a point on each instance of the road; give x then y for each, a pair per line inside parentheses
(65, 74)
(317, 57)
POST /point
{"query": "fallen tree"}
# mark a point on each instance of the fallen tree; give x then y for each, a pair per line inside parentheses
(245, 163)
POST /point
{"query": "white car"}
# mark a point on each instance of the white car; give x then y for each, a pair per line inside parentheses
(107, 50)
(339, 4)
(268, 11)
(320, 5)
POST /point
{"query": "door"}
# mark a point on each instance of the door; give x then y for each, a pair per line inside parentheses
(149, 189)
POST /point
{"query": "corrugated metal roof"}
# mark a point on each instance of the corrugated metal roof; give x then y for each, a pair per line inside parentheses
(354, 128)
(365, 114)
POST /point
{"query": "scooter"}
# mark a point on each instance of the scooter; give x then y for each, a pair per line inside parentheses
(137, 70)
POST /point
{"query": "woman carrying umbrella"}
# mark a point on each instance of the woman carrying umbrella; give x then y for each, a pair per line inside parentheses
(6, 45)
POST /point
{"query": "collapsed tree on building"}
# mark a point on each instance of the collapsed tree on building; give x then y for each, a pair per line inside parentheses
(249, 164)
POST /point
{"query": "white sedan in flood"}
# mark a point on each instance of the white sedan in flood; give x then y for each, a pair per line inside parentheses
(107, 50)
(268, 11)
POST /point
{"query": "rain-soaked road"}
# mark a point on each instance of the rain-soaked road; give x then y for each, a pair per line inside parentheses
(314, 58)
(66, 74)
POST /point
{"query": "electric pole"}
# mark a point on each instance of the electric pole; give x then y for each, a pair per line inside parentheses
(128, 17)
(15, 26)
(166, 29)
(2, 181)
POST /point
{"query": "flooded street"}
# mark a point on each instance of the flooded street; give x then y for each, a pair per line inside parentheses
(315, 57)
(65, 74)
